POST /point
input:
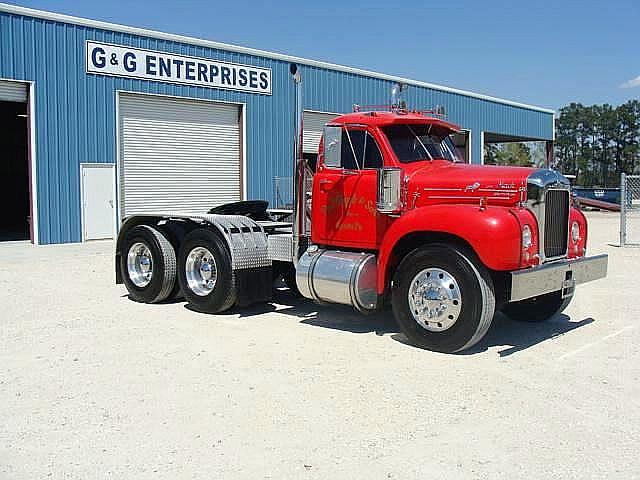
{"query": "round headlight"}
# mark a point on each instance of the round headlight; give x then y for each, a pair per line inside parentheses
(575, 232)
(526, 236)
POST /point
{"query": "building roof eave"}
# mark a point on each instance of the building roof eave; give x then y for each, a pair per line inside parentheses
(57, 17)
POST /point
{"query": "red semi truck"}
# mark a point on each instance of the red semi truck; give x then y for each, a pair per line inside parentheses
(388, 215)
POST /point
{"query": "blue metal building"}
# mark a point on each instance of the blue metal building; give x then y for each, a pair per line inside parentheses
(80, 109)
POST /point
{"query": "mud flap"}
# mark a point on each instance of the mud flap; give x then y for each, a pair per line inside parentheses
(254, 285)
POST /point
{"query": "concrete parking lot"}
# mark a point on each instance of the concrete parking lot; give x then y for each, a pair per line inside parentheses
(93, 385)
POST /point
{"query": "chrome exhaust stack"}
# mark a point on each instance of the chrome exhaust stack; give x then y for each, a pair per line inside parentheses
(300, 238)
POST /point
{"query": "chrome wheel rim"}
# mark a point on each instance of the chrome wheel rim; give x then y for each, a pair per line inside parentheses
(435, 300)
(140, 264)
(201, 271)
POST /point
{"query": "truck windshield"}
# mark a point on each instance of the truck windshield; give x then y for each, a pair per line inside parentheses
(412, 143)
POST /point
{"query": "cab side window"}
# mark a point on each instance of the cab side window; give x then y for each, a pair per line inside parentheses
(372, 155)
(352, 149)
(359, 150)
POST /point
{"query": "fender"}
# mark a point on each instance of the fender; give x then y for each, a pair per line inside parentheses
(493, 233)
(245, 239)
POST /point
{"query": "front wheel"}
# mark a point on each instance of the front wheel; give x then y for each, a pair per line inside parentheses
(537, 309)
(443, 299)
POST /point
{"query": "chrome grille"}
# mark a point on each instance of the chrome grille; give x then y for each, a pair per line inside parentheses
(556, 223)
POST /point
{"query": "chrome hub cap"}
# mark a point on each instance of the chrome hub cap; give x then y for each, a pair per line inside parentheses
(140, 265)
(434, 299)
(201, 271)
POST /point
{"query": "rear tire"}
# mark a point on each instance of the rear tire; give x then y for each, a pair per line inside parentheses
(443, 299)
(148, 265)
(205, 272)
(537, 309)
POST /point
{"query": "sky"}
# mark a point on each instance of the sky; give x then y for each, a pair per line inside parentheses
(538, 52)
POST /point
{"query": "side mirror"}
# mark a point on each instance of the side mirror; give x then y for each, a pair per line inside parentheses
(389, 180)
(332, 146)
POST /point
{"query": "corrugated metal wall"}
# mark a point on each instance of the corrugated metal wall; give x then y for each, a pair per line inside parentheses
(76, 118)
(337, 92)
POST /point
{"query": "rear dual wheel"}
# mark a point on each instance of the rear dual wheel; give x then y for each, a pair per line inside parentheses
(205, 272)
(202, 271)
(148, 265)
(443, 298)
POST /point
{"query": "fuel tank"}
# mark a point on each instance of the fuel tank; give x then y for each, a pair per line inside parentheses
(335, 276)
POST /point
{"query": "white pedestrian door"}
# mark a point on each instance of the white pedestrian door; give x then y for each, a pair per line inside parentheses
(98, 201)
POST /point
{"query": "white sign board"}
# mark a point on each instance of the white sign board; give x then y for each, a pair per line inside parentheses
(116, 60)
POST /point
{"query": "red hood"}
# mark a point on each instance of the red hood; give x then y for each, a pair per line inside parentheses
(441, 181)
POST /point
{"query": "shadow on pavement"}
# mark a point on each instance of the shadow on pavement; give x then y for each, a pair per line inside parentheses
(336, 317)
(514, 335)
(379, 323)
(168, 301)
(518, 336)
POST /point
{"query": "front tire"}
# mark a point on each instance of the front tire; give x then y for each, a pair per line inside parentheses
(205, 272)
(537, 309)
(148, 265)
(442, 298)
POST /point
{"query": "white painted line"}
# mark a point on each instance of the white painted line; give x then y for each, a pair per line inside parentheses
(591, 344)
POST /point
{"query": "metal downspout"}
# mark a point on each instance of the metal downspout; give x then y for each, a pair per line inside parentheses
(298, 227)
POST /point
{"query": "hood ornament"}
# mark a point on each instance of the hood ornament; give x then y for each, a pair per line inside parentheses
(472, 187)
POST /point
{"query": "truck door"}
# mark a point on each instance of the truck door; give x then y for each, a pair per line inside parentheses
(344, 196)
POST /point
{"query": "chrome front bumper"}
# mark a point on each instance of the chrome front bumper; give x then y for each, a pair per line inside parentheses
(561, 275)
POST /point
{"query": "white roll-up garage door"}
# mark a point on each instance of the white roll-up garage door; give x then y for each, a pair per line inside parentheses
(13, 91)
(313, 124)
(177, 155)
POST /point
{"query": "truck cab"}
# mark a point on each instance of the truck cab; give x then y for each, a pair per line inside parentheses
(448, 238)
(346, 181)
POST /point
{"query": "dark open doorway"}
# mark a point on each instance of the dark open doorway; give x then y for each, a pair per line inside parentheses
(14, 172)
(510, 150)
